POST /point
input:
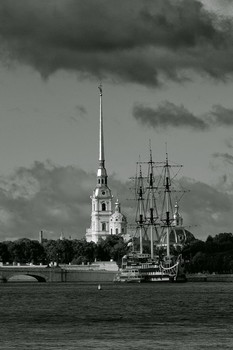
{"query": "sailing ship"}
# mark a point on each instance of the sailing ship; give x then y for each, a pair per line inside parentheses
(129, 275)
(162, 226)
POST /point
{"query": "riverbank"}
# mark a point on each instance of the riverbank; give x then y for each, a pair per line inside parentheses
(201, 277)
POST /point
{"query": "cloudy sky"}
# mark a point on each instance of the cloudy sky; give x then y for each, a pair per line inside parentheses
(167, 72)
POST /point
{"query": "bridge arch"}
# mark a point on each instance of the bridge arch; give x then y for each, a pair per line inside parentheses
(37, 277)
(40, 273)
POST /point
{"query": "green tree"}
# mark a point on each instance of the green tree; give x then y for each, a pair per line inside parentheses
(4, 253)
(198, 262)
(113, 247)
(51, 251)
(83, 251)
(26, 251)
(64, 251)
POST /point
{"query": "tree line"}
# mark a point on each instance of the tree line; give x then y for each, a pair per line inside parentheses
(215, 255)
(62, 251)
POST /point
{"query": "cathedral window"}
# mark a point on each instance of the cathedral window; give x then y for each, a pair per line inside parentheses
(103, 207)
(122, 229)
(103, 226)
(116, 231)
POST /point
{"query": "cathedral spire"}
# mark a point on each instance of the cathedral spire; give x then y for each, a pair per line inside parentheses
(101, 173)
(103, 222)
(101, 131)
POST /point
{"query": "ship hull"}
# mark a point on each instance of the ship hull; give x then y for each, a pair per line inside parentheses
(128, 276)
(141, 268)
(145, 276)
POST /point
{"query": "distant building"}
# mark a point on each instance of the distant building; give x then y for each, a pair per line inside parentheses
(178, 234)
(41, 237)
(103, 221)
(118, 222)
(178, 220)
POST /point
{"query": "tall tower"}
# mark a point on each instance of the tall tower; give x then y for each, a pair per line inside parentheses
(102, 197)
(178, 220)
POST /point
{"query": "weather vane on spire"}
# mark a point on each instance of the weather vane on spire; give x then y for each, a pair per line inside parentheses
(100, 89)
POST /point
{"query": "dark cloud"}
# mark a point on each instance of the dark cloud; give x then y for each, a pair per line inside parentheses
(227, 158)
(81, 110)
(46, 197)
(225, 183)
(168, 114)
(205, 197)
(207, 208)
(57, 199)
(126, 40)
(229, 142)
(224, 163)
(80, 113)
(222, 116)
(50, 198)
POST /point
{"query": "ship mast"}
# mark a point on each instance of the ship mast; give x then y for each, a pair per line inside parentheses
(168, 200)
(147, 217)
(140, 213)
(151, 208)
(167, 218)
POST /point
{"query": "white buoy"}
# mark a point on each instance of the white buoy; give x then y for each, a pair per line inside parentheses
(99, 287)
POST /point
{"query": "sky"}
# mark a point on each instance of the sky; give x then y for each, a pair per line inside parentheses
(167, 73)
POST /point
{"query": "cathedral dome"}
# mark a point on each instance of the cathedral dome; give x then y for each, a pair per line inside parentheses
(117, 216)
(118, 222)
(178, 236)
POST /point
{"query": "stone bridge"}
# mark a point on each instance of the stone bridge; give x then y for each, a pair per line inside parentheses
(40, 273)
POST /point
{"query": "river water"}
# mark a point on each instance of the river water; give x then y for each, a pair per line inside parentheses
(43, 316)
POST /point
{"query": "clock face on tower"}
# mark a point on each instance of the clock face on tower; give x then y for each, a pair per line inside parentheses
(103, 193)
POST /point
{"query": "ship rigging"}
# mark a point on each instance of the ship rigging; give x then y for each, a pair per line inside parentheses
(156, 222)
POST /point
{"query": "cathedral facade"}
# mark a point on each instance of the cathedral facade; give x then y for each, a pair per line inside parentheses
(104, 221)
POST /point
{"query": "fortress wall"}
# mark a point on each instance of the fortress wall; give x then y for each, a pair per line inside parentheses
(88, 276)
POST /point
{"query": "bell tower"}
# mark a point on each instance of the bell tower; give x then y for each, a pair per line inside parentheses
(102, 197)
